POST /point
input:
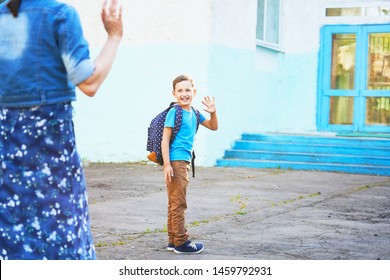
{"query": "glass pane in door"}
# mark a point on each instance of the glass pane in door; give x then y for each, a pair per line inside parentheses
(341, 110)
(343, 61)
(378, 111)
(378, 78)
(378, 70)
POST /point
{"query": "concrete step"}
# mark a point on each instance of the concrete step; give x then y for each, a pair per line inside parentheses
(307, 157)
(310, 152)
(318, 139)
(316, 148)
(346, 168)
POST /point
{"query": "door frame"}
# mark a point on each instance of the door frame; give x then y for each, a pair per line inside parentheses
(359, 92)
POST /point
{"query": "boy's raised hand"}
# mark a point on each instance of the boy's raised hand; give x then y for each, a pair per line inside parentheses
(210, 104)
(212, 122)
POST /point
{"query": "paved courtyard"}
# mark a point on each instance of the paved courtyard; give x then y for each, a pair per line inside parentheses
(242, 214)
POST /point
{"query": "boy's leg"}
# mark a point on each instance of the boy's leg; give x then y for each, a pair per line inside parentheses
(177, 203)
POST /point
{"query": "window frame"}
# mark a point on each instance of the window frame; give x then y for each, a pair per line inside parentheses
(262, 42)
(356, 19)
(360, 91)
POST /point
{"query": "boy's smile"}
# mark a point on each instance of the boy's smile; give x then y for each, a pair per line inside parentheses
(184, 93)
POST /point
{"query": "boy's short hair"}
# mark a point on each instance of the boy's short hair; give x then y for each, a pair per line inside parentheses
(181, 78)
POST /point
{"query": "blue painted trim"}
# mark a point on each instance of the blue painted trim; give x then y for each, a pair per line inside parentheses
(360, 92)
(384, 93)
(320, 73)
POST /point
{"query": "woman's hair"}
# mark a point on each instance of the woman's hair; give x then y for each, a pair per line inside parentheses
(182, 78)
(14, 7)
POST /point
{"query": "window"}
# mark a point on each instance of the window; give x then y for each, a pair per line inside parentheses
(358, 11)
(342, 12)
(363, 13)
(268, 18)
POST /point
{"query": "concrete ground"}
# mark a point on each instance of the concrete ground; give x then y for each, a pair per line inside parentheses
(242, 214)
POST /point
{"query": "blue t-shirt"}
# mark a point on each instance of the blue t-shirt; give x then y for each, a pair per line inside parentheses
(181, 148)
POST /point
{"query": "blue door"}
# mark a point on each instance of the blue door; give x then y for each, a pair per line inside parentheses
(354, 79)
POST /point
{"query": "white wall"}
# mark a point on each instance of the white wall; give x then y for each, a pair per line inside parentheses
(286, 80)
(149, 21)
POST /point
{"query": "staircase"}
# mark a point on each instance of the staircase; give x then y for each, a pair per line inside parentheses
(305, 152)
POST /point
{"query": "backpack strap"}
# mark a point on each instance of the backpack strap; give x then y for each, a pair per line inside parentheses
(178, 121)
(197, 113)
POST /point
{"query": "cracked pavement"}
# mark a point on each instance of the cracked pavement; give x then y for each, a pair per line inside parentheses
(241, 214)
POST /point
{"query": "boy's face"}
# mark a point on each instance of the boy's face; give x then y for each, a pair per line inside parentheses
(184, 93)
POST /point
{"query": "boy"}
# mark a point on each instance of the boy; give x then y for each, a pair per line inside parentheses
(177, 159)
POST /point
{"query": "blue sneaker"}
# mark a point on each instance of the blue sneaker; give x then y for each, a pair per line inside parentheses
(170, 247)
(189, 248)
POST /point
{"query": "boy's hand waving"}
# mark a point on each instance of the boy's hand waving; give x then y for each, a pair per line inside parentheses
(210, 104)
(211, 123)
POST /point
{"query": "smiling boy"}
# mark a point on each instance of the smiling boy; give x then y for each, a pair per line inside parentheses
(177, 157)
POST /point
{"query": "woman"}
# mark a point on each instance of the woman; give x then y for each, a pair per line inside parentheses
(43, 57)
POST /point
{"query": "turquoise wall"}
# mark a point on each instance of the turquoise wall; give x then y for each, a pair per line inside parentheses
(231, 79)
(287, 86)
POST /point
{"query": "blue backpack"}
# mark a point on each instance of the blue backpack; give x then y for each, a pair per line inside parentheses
(155, 133)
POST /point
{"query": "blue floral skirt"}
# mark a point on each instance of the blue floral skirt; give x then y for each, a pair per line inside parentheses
(43, 199)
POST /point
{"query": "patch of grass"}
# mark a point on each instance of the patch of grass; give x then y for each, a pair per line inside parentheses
(295, 199)
(118, 243)
(241, 202)
(114, 243)
(363, 188)
(156, 230)
(277, 171)
(315, 194)
(199, 223)
(101, 244)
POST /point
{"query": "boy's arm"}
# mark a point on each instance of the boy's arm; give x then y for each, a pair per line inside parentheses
(168, 171)
(211, 123)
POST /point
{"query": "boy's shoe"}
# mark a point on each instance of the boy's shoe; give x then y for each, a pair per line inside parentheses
(171, 247)
(189, 248)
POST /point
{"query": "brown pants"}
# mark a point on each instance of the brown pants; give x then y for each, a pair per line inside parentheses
(177, 203)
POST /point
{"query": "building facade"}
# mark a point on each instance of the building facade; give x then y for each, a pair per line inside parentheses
(294, 66)
(330, 64)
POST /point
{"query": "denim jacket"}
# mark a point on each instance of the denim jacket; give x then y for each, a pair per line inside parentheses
(43, 54)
